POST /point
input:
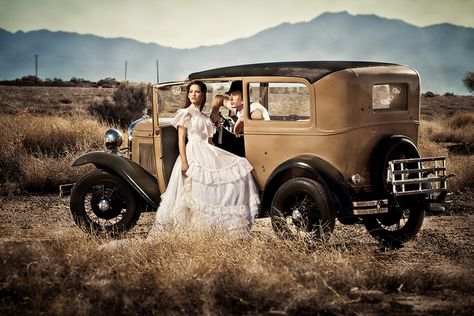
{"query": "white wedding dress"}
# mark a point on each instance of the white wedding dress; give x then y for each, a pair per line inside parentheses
(217, 192)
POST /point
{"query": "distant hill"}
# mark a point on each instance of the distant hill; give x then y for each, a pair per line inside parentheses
(441, 53)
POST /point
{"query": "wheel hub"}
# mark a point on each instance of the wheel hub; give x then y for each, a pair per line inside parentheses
(104, 205)
(296, 215)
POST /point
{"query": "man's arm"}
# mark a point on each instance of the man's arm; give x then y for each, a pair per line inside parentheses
(217, 102)
(256, 115)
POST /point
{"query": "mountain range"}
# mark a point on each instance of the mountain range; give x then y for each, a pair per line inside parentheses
(441, 53)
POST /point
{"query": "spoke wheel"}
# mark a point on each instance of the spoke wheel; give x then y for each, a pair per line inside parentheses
(405, 214)
(102, 203)
(396, 227)
(300, 211)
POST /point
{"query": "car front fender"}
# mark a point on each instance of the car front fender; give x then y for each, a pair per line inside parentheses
(144, 183)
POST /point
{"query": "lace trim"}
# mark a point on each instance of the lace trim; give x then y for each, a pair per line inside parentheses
(235, 218)
(214, 211)
(231, 173)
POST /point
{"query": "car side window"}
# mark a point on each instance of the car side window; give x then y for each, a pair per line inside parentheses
(389, 96)
(283, 101)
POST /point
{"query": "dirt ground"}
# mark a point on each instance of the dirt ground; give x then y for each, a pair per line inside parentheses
(444, 246)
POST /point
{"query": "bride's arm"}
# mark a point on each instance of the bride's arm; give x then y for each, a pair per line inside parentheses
(182, 148)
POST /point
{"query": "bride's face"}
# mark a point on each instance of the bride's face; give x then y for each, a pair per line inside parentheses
(194, 94)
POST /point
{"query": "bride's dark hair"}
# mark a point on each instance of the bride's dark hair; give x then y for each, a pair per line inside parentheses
(203, 87)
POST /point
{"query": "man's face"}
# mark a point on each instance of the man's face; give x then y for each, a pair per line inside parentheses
(235, 100)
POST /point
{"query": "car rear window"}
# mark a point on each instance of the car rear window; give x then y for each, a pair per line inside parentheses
(389, 96)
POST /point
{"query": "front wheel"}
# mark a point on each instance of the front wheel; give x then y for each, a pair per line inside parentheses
(102, 203)
(396, 227)
(300, 210)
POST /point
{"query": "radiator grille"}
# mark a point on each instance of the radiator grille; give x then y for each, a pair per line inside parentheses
(147, 157)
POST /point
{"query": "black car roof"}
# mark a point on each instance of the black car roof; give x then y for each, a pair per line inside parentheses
(310, 70)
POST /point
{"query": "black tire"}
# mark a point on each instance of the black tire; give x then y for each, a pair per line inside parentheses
(120, 212)
(300, 210)
(396, 227)
(405, 214)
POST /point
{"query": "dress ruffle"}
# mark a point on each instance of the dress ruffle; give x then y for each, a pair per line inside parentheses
(233, 217)
(191, 212)
(231, 173)
(182, 118)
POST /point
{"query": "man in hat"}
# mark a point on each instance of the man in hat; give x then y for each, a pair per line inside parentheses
(234, 101)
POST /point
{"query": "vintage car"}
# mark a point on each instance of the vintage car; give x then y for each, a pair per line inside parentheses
(341, 143)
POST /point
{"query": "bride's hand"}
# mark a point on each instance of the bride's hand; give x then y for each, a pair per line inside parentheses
(184, 167)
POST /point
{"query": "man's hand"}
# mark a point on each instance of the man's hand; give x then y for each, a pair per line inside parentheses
(239, 127)
(216, 103)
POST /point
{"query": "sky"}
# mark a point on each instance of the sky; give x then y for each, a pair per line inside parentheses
(193, 23)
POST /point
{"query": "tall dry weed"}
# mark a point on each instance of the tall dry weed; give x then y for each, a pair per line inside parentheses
(443, 138)
(456, 129)
(38, 151)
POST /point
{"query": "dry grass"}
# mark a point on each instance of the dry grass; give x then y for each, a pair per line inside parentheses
(452, 137)
(205, 273)
(48, 101)
(38, 151)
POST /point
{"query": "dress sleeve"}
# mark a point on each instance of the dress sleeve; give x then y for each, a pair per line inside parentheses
(182, 118)
(210, 128)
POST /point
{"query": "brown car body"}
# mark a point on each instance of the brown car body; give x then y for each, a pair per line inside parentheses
(354, 121)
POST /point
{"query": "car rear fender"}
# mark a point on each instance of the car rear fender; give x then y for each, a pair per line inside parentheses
(312, 167)
(144, 183)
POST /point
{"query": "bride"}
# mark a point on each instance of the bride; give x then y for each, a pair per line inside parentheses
(209, 188)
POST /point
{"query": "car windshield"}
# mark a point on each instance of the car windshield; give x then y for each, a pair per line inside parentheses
(171, 97)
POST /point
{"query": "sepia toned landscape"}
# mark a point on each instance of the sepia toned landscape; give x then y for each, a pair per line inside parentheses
(50, 266)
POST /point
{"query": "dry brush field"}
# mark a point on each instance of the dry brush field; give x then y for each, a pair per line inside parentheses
(49, 266)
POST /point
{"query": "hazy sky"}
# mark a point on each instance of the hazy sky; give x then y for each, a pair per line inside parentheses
(191, 23)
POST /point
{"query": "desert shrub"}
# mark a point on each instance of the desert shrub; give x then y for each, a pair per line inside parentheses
(108, 83)
(127, 104)
(38, 151)
(429, 94)
(469, 81)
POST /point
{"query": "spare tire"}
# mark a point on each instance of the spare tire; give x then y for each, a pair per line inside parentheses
(394, 147)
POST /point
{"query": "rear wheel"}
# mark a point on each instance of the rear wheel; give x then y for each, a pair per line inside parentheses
(102, 203)
(405, 214)
(300, 211)
(396, 227)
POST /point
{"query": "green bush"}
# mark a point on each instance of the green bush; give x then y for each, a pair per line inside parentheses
(127, 104)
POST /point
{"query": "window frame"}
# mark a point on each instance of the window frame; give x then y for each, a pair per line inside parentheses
(276, 123)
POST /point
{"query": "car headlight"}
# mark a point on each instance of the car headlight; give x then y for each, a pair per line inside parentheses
(113, 139)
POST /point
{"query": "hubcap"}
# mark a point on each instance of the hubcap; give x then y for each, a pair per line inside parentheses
(296, 215)
(104, 205)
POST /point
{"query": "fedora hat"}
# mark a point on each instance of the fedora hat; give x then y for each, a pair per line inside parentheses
(235, 86)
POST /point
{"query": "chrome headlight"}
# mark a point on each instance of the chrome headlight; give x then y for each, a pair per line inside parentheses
(113, 139)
